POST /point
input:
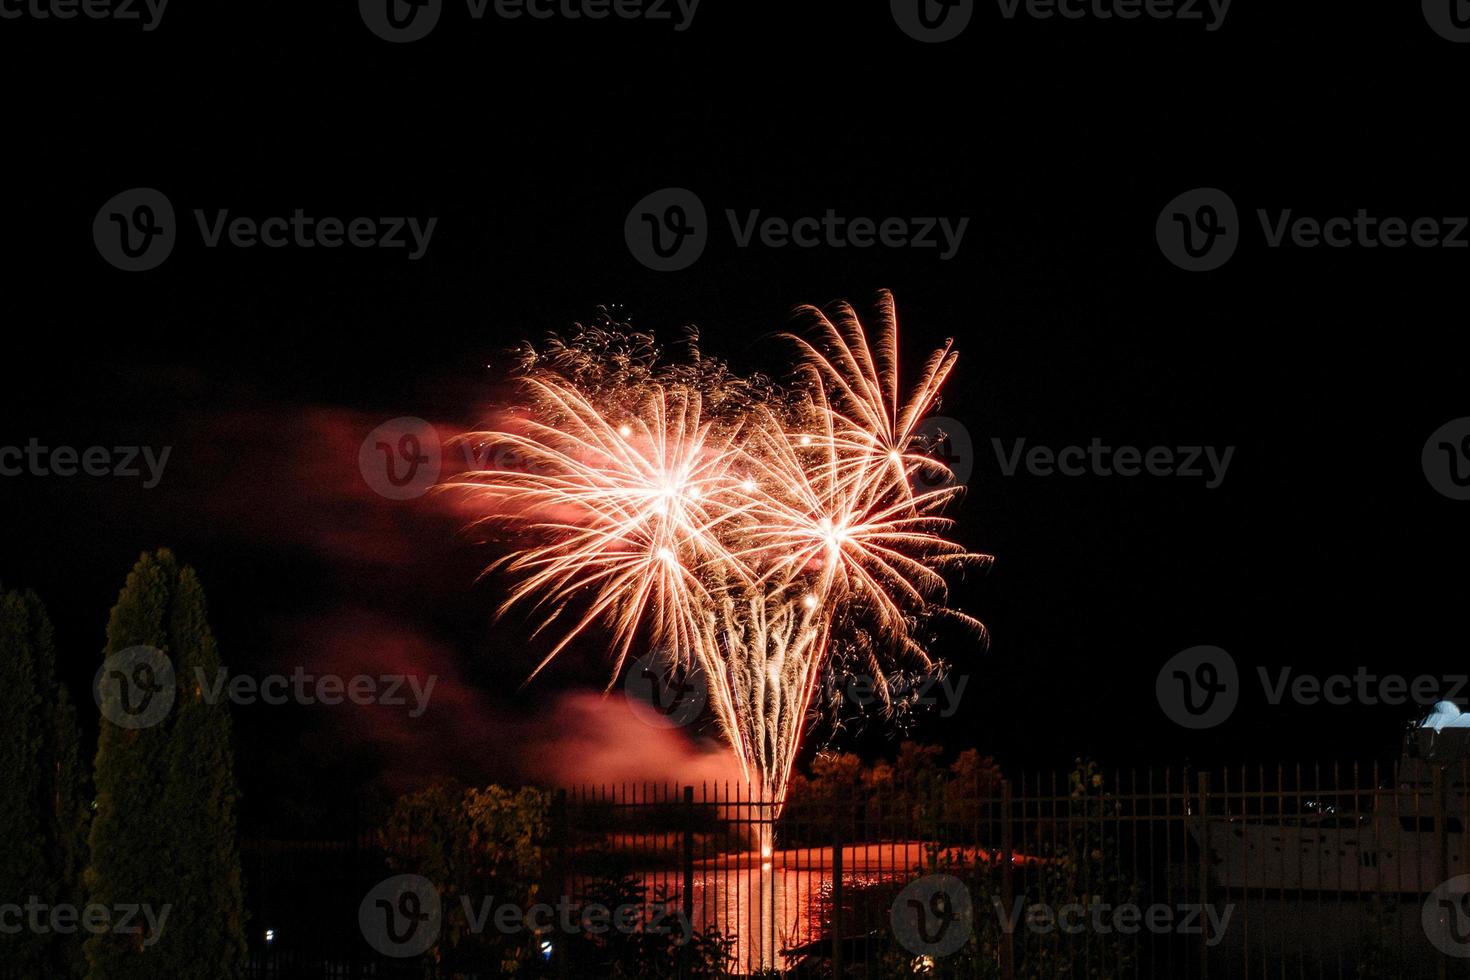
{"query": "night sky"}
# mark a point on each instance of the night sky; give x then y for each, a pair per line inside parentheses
(1324, 548)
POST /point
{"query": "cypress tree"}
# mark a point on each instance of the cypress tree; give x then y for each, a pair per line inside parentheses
(200, 782)
(22, 869)
(43, 811)
(164, 828)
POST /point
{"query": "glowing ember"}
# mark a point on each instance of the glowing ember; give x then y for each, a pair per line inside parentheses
(752, 530)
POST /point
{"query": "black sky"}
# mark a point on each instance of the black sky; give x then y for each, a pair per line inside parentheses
(1324, 549)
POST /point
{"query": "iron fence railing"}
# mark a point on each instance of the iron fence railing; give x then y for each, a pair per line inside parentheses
(1285, 871)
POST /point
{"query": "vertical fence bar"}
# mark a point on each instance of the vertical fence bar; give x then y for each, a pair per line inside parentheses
(1202, 839)
(559, 869)
(837, 890)
(1008, 944)
(687, 899)
(1441, 849)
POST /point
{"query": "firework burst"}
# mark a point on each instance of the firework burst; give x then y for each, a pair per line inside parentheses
(752, 531)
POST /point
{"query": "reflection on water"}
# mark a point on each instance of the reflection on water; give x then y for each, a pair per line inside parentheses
(783, 901)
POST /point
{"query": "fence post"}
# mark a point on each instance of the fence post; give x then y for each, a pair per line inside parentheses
(1203, 840)
(559, 872)
(355, 875)
(688, 898)
(1441, 847)
(1007, 886)
(837, 836)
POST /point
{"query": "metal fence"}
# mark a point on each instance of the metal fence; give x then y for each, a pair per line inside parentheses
(1286, 871)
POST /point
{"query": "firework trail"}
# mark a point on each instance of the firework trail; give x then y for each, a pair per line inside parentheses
(753, 531)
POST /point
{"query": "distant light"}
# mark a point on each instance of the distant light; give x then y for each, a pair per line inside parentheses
(806, 440)
(766, 851)
(765, 865)
(625, 431)
(665, 554)
(809, 600)
(270, 935)
(747, 485)
(546, 948)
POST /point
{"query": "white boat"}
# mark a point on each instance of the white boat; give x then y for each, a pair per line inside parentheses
(1404, 837)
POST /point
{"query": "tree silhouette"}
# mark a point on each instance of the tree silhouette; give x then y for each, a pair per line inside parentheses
(164, 830)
